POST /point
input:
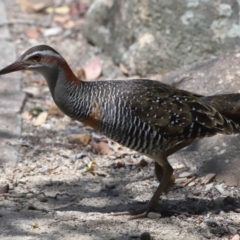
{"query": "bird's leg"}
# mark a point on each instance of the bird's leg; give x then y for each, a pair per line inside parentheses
(159, 170)
(159, 174)
(163, 171)
(167, 173)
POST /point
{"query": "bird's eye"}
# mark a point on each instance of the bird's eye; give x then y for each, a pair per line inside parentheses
(37, 57)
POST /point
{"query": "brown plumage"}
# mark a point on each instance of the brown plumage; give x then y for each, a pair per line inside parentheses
(148, 116)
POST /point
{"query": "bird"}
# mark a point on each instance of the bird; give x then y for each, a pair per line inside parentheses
(150, 117)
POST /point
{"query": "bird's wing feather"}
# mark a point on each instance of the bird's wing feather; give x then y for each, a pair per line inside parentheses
(175, 113)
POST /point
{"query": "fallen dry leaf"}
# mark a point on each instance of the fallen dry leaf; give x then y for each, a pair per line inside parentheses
(58, 10)
(32, 33)
(93, 70)
(185, 175)
(69, 24)
(184, 181)
(42, 117)
(78, 9)
(208, 178)
(124, 69)
(81, 138)
(52, 31)
(87, 167)
(189, 181)
(90, 166)
(235, 237)
(101, 147)
(61, 18)
(27, 115)
(181, 181)
(36, 7)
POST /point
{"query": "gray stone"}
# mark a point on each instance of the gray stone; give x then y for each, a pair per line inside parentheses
(149, 36)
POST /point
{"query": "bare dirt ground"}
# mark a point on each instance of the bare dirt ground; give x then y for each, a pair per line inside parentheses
(54, 195)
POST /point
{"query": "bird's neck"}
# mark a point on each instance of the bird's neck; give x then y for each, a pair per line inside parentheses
(59, 78)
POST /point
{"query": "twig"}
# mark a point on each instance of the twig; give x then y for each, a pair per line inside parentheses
(182, 79)
(50, 16)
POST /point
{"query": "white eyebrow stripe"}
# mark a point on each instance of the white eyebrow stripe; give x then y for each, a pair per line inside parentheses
(44, 52)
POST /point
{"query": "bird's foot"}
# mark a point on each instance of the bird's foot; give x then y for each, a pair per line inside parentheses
(141, 213)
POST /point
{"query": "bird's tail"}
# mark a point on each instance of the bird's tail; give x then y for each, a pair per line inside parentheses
(228, 105)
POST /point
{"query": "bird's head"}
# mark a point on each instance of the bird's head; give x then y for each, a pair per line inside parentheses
(40, 58)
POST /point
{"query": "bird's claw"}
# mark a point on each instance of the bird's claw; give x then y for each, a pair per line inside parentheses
(141, 213)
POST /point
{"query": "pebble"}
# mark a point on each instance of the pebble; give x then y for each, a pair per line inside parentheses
(80, 155)
(191, 184)
(52, 31)
(181, 180)
(185, 175)
(153, 215)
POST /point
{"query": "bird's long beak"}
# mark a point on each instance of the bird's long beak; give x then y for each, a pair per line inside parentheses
(16, 66)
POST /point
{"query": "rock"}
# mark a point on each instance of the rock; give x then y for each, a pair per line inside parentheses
(153, 215)
(149, 36)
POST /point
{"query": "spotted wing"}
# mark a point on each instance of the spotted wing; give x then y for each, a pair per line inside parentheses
(175, 113)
